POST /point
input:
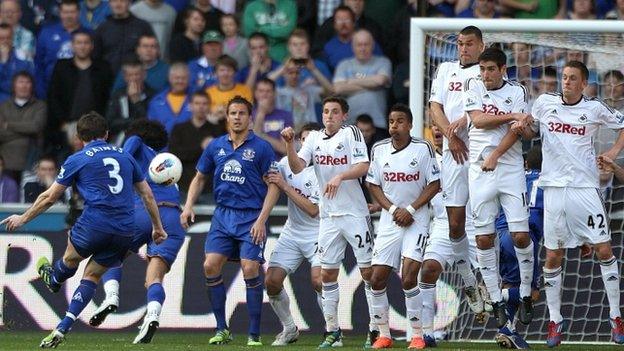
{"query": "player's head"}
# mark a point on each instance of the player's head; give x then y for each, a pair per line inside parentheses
(238, 115)
(533, 158)
(438, 137)
(365, 124)
(335, 112)
(613, 87)
(469, 45)
(400, 121)
(152, 133)
(548, 80)
(92, 126)
(574, 80)
(306, 129)
(492, 65)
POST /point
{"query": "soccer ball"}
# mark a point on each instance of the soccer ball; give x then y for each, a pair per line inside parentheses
(165, 169)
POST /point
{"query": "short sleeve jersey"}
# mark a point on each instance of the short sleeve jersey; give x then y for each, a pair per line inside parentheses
(403, 173)
(567, 131)
(511, 97)
(332, 155)
(306, 185)
(104, 175)
(237, 173)
(447, 89)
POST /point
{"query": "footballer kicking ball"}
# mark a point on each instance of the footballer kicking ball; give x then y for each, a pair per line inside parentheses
(165, 169)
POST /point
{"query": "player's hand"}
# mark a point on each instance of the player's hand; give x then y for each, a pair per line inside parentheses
(372, 208)
(489, 164)
(13, 222)
(288, 134)
(331, 188)
(159, 235)
(402, 217)
(458, 149)
(456, 126)
(185, 216)
(586, 250)
(258, 232)
(609, 155)
(606, 164)
(277, 179)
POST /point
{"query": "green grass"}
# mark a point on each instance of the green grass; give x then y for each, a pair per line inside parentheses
(171, 341)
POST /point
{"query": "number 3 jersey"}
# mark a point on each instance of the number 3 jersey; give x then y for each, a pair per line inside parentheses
(447, 89)
(332, 155)
(402, 174)
(511, 97)
(567, 132)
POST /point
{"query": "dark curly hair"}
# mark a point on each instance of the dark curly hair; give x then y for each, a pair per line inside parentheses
(152, 133)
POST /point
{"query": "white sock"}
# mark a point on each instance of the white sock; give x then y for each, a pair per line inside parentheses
(380, 308)
(281, 306)
(319, 299)
(111, 289)
(525, 265)
(154, 308)
(369, 301)
(611, 281)
(552, 285)
(414, 309)
(331, 296)
(461, 247)
(464, 269)
(489, 271)
(428, 296)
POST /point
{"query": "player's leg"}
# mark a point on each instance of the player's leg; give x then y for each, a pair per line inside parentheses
(64, 268)
(611, 281)
(317, 284)
(413, 300)
(255, 294)
(430, 272)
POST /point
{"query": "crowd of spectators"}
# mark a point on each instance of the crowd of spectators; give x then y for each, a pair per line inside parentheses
(180, 61)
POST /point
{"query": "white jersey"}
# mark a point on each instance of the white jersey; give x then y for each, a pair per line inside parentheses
(567, 132)
(306, 185)
(511, 97)
(403, 174)
(437, 203)
(447, 89)
(332, 155)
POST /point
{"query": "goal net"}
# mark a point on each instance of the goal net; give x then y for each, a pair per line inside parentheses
(536, 51)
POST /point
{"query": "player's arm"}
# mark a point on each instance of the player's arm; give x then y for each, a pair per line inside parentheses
(44, 201)
(195, 188)
(439, 118)
(295, 163)
(489, 164)
(356, 171)
(426, 195)
(145, 192)
(258, 230)
(307, 206)
(617, 147)
(482, 120)
(610, 166)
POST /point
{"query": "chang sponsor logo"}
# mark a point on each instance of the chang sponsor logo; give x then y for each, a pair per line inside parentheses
(232, 172)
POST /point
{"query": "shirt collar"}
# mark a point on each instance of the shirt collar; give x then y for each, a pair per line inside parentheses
(250, 136)
(94, 143)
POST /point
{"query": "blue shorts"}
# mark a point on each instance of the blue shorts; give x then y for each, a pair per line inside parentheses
(105, 248)
(168, 249)
(508, 263)
(230, 235)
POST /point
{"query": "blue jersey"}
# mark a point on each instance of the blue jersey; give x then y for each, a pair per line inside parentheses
(536, 208)
(104, 176)
(237, 179)
(143, 155)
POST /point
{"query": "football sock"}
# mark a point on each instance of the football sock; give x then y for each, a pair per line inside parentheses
(414, 309)
(110, 281)
(461, 250)
(216, 294)
(319, 299)
(380, 307)
(281, 306)
(525, 265)
(255, 294)
(489, 272)
(61, 272)
(552, 285)
(428, 295)
(611, 281)
(155, 298)
(369, 302)
(82, 296)
(331, 296)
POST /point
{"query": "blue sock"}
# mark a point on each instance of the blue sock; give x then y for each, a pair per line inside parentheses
(113, 273)
(255, 294)
(216, 294)
(82, 296)
(61, 272)
(156, 292)
(512, 302)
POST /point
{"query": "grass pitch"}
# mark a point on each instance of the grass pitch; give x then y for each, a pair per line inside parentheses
(172, 341)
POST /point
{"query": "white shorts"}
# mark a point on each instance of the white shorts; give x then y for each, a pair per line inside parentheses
(573, 216)
(440, 249)
(290, 252)
(393, 242)
(489, 191)
(334, 235)
(454, 181)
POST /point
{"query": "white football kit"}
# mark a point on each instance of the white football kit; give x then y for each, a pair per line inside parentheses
(447, 89)
(505, 186)
(402, 175)
(298, 240)
(343, 219)
(573, 208)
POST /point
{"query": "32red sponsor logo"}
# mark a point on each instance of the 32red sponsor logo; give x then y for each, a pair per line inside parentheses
(558, 127)
(401, 177)
(330, 160)
(492, 110)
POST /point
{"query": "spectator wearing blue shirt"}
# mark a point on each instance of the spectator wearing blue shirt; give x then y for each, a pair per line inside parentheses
(238, 161)
(53, 43)
(260, 63)
(202, 70)
(148, 52)
(10, 64)
(105, 176)
(480, 9)
(171, 106)
(93, 13)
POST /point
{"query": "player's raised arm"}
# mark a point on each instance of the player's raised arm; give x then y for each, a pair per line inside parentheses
(44, 201)
(295, 163)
